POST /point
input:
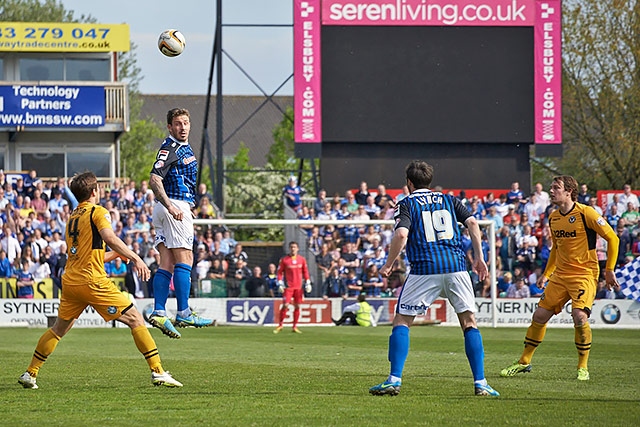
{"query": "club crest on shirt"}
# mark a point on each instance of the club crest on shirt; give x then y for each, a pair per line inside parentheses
(159, 164)
(572, 219)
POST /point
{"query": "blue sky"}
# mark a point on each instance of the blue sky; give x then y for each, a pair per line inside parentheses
(264, 53)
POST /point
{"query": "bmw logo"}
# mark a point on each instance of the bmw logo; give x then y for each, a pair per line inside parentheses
(73, 250)
(112, 310)
(610, 314)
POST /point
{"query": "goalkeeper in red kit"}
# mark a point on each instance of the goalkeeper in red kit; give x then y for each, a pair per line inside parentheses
(292, 271)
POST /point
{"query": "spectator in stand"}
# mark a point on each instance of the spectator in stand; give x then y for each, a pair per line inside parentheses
(372, 281)
(334, 286)
(614, 202)
(202, 261)
(24, 281)
(624, 248)
(542, 197)
(131, 191)
(492, 215)
(354, 284)
(9, 192)
(39, 205)
(371, 208)
(229, 240)
(518, 290)
(3, 200)
(3, 178)
(627, 197)
(504, 283)
(117, 268)
(19, 187)
(237, 273)
(324, 260)
(350, 200)
(383, 197)
(532, 209)
(56, 242)
(233, 257)
(10, 243)
(601, 253)
(613, 217)
(583, 194)
(476, 208)
(631, 217)
(314, 243)
(362, 194)
(508, 219)
(255, 285)
(6, 269)
(593, 202)
(502, 207)
(271, 277)
(205, 209)
(604, 293)
(216, 253)
(56, 204)
(41, 269)
(304, 215)
(201, 193)
(216, 271)
(388, 210)
(123, 205)
(321, 200)
(114, 192)
(515, 194)
(405, 193)
(293, 194)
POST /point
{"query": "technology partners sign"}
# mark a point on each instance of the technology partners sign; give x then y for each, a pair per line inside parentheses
(55, 106)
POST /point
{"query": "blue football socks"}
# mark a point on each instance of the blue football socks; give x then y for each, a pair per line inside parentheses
(161, 290)
(182, 284)
(398, 349)
(475, 352)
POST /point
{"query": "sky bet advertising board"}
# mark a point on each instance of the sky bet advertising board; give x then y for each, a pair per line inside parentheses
(51, 106)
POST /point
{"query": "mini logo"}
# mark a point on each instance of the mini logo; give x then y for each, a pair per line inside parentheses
(112, 310)
(572, 219)
(305, 9)
(546, 10)
(610, 314)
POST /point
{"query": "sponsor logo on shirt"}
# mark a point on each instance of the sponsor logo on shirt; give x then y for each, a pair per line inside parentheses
(163, 155)
(188, 160)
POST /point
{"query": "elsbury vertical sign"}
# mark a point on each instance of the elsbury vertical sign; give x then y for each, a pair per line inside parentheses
(52, 106)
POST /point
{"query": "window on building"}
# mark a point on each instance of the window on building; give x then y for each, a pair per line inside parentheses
(98, 163)
(87, 69)
(47, 164)
(36, 69)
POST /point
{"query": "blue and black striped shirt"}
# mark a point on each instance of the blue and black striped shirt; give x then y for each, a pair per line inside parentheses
(178, 167)
(433, 245)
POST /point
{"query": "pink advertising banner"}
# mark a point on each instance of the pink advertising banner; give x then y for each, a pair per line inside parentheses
(432, 12)
(548, 72)
(306, 75)
(543, 15)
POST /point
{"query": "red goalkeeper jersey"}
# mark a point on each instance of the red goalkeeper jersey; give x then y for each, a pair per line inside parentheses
(294, 270)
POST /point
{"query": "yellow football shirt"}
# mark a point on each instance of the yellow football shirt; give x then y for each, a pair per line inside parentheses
(574, 236)
(85, 247)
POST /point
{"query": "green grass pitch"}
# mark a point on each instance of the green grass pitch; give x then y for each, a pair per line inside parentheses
(247, 376)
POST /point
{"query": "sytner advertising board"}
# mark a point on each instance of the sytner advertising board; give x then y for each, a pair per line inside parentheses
(51, 106)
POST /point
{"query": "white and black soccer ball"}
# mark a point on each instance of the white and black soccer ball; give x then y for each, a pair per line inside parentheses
(171, 43)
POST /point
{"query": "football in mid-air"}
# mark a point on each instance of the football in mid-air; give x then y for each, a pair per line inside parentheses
(171, 42)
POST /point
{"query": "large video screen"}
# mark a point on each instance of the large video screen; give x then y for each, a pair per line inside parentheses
(427, 84)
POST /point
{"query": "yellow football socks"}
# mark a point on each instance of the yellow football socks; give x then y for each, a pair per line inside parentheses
(583, 344)
(46, 345)
(535, 335)
(147, 346)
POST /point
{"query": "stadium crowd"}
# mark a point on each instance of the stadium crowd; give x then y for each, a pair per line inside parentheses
(34, 213)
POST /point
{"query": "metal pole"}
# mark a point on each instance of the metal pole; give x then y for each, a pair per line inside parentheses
(219, 135)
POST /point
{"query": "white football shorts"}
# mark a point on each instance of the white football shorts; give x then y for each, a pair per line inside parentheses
(174, 234)
(419, 292)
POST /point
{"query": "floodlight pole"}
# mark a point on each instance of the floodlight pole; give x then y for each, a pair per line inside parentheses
(219, 195)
